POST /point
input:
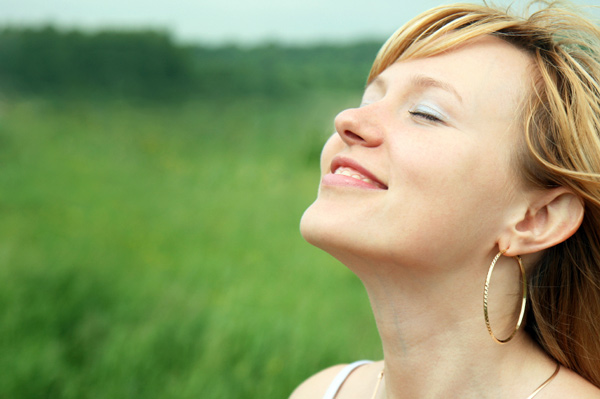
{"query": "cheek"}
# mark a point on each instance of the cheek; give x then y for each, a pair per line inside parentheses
(453, 182)
(433, 165)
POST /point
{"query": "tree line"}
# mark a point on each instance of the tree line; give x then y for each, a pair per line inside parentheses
(150, 64)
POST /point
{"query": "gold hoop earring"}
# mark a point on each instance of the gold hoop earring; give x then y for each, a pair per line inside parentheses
(485, 298)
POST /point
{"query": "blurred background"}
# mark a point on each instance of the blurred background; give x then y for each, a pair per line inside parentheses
(155, 159)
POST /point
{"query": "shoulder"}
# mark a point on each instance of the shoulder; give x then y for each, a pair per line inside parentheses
(316, 386)
(568, 384)
(352, 380)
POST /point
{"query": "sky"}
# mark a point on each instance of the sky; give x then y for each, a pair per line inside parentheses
(229, 21)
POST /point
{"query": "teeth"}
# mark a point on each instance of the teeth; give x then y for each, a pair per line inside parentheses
(352, 173)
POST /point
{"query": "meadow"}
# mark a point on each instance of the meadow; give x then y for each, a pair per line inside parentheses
(152, 250)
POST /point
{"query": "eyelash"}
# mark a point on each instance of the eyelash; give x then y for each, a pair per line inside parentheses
(424, 115)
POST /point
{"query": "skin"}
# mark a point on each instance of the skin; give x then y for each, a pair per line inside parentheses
(439, 134)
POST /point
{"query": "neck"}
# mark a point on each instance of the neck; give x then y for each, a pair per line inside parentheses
(434, 337)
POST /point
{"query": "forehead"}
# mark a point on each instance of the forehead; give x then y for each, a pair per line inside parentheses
(486, 71)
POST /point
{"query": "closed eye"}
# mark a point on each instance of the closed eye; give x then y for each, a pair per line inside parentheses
(425, 115)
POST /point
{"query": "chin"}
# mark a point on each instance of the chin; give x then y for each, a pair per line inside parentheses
(320, 228)
(330, 231)
(310, 227)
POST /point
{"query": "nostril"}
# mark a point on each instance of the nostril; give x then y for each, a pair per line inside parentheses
(353, 136)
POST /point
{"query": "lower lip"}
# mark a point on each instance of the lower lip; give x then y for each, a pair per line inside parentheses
(331, 179)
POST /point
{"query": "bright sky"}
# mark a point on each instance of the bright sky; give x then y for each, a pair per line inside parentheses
(242, 21)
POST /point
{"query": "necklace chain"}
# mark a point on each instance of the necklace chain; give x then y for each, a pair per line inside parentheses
(380, 377)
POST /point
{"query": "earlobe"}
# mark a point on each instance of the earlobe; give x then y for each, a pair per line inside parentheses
(552, 217)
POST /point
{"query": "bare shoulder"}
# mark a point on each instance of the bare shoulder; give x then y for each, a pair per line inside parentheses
(315, 386)
(568, 384)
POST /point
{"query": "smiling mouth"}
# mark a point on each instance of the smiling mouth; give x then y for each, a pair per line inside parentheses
(353, 173)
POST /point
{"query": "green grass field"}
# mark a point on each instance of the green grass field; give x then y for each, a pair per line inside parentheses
(153, 251)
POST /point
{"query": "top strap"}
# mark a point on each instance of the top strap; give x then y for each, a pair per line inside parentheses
(339, 379)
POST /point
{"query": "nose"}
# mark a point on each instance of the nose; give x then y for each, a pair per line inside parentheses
(358, 126)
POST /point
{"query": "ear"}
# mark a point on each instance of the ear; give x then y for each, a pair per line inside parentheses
(552, 216)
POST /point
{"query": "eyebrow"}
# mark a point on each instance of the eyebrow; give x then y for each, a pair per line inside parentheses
(423, 81)
(426, 81)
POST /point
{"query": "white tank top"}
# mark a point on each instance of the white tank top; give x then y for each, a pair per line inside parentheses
(339, 379)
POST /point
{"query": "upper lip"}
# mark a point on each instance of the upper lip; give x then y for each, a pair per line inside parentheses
(340, 161)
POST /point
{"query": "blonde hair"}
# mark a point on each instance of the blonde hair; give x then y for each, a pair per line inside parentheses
(562, 136)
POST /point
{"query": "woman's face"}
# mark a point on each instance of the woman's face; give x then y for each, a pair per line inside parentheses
(423, 171)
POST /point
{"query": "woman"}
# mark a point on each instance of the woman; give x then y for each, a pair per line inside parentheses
(471, 169)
